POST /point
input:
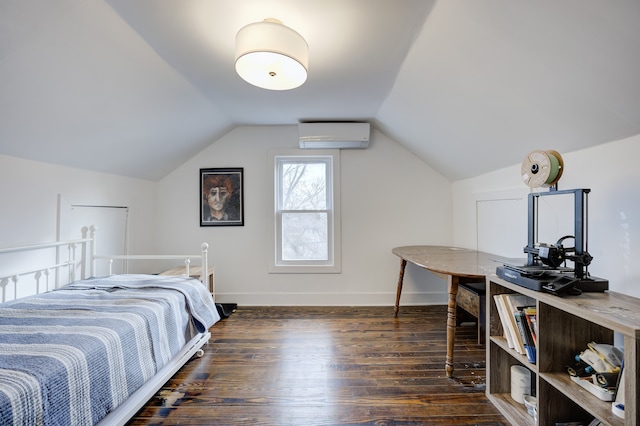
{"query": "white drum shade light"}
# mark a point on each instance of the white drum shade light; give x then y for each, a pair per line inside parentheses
(271, 56)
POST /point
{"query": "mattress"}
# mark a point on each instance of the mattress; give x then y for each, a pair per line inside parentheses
(72, 355)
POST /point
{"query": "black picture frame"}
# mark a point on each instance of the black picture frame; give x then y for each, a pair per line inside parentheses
(228, 184)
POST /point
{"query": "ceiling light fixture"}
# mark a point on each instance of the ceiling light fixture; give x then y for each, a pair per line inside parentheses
(271, 56)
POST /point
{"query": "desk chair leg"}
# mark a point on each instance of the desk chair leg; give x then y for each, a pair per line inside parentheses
(403, 264)
(451, 323)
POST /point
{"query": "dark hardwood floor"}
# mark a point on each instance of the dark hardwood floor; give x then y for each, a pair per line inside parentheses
(328, 366)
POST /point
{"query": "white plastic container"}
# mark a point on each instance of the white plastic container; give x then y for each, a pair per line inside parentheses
(520, 383)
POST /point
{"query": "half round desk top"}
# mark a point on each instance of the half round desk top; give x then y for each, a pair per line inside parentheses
(451, 260)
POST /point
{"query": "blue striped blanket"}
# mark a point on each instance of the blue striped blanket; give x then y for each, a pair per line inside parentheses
(72, 355)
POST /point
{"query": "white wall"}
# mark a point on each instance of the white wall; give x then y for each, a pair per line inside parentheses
(611, 172)
(389, 198)
(29, 194)
(164, 216)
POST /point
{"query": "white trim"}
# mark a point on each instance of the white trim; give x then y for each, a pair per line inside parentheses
(386, 298)
(334, 265)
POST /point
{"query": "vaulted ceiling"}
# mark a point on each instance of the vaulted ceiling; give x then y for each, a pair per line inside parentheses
(138, 87)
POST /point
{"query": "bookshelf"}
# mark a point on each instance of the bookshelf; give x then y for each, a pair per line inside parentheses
(565, 325)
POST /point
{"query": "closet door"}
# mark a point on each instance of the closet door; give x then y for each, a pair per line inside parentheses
(502, 213)
(111, 235)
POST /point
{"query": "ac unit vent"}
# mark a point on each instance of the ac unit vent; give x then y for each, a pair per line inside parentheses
(334, 135)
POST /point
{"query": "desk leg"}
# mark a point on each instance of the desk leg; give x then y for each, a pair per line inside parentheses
(452, 285)
(403, 264)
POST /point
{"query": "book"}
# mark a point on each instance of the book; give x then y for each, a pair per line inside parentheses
(502, 313)
(531, 314)
(513, 302)
(509, 324)
(523, 328)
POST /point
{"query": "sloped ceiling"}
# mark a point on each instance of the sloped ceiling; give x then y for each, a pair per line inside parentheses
(138, 87)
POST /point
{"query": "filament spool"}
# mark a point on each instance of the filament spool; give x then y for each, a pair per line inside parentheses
(542, 168)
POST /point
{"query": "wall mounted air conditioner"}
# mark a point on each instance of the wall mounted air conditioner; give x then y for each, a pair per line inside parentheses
(334, 135)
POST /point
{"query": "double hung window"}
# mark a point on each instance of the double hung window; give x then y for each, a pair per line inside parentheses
(306, 220)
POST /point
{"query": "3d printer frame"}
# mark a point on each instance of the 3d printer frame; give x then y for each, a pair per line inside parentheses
(555, 254)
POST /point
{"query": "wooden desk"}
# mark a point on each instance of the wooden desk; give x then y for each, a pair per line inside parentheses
(194, 272)
(454, 265)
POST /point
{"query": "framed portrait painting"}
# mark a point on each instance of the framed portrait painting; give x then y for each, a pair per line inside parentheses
(221, 197)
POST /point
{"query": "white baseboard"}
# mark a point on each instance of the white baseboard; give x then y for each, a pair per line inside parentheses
(331, 299)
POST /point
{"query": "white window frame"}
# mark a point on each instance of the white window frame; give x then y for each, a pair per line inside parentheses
(334, 263)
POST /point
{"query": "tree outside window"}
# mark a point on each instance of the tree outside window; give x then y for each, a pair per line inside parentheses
(305, 217)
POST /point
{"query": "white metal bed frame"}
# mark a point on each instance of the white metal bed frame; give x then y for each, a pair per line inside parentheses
(139, 398)
(204, 276)
(71, 263)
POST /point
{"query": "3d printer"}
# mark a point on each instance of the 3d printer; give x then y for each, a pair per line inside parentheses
(546, 268)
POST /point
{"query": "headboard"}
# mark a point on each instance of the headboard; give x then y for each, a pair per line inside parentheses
(186, 258)
(41, 275)
(54, 264)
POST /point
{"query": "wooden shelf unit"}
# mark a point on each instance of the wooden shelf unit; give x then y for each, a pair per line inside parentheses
(565, 325)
